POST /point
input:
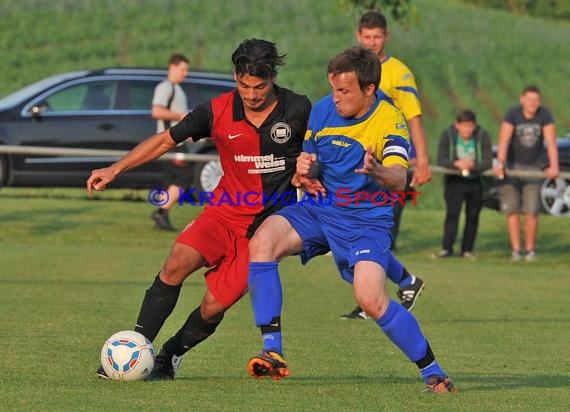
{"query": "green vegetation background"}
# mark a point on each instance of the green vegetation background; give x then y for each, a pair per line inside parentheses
(463, 56)
(556, 9)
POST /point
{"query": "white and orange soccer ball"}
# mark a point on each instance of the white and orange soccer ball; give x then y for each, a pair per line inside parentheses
(127, 356)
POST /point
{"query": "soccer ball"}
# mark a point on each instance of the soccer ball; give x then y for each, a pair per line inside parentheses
(127, 356)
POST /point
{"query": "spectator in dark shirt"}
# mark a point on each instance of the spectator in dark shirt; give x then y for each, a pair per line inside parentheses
(466, 147)
(524, 131)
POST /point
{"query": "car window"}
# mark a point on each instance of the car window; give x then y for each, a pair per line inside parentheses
(82, 97)
(191, 94)
(27, 92)
(138, 95)
(209, 91)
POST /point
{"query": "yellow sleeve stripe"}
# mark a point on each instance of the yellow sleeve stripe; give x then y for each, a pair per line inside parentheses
(394, 160)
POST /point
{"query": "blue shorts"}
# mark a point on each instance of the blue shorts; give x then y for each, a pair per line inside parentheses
(351, 238)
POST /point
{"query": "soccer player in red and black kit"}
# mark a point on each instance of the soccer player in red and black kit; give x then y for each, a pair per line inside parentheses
(258, 130)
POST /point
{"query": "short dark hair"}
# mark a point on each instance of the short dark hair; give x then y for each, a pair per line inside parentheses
(258, 58)
(373, 20)
(466, 115)
(531, 88)
(176, 59)
(363, 62)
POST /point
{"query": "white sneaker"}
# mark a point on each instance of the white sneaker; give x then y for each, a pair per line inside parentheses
(531, 256)
(442, 254)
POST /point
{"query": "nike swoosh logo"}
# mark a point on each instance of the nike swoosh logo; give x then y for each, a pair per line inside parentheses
(276, 324)
(233, 136)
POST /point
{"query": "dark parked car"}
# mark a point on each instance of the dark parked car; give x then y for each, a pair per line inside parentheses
(100, 109)
(554, 194)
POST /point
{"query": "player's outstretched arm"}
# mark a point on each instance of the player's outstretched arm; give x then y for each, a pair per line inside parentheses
(146, 151)
(392, 178)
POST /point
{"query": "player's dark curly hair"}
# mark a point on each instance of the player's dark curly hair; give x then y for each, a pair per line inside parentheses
(362, 61)
(258, 58)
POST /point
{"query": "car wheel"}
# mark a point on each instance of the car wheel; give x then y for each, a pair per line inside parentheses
(207, 175)
(555, 197)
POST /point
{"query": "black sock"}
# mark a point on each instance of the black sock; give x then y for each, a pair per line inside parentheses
(194, 331)
(427, 359)
(273, 327)
(162, 211)
(159, 302)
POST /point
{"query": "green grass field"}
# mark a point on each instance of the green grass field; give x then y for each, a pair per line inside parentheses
(73, 271)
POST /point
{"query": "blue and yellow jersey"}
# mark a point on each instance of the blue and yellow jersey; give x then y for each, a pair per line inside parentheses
(399, 84)
(340, 145)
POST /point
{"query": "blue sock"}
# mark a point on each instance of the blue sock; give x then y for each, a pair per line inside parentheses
(432, 369)
(395, 269)
(404, 331)
(266, 300)
(396, 272)
(406, 281)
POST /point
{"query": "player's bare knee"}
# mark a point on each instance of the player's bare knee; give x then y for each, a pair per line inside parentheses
(374, 306)
(182, 262)
(212, 312)
(175, 270)
(262, 246)
(172, 277)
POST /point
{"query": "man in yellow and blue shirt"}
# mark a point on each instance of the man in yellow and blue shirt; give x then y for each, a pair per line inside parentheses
(360, 141)
(398, 83)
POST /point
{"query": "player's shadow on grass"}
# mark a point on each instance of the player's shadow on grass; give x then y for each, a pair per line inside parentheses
(478, 382)
(48, 221)
(467, 382)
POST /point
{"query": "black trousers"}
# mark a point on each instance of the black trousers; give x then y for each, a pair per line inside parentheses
(398, 209)
(458, 190)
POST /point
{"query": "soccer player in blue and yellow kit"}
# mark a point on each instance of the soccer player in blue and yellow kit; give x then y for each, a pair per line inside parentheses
(360, 141)
(398, 83)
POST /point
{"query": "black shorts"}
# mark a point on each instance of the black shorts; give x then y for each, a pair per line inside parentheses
(177, 173)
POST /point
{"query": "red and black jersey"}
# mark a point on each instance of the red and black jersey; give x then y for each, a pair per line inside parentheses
(258, 163)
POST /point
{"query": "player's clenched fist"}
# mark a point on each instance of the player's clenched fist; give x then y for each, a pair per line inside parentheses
(304, 163)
